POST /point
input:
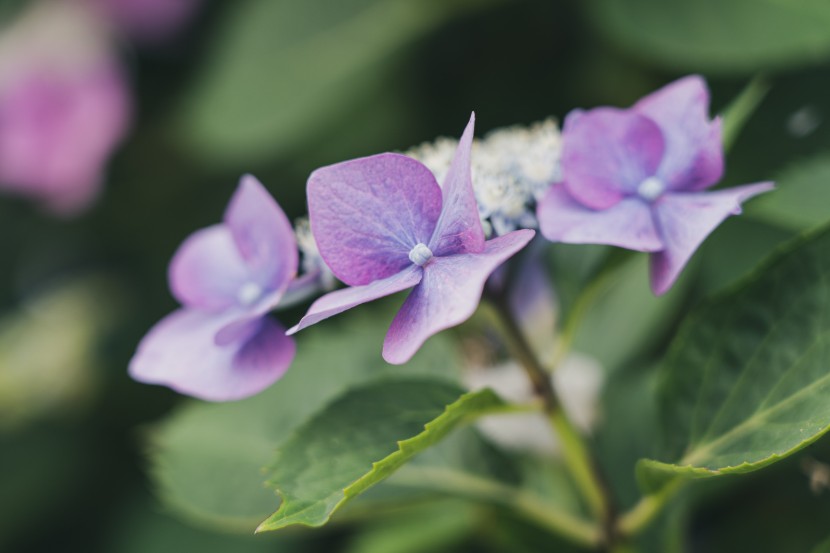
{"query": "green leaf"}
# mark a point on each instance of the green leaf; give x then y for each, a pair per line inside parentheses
(362, 438)
(719, 35)
(207, 458)
(282, 70)
(747, 380)
(802, 196)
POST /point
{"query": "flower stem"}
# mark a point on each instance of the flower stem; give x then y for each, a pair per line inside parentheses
(547, 515)
(581, 464)
(647, 509)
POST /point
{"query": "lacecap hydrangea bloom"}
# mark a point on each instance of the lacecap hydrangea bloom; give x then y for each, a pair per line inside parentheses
(636, 178)
(221, 345)
(383, 224)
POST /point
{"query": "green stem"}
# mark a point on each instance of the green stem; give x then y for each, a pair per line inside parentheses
(647, 509)
(738, 112)
(581, 464)
(558, 521)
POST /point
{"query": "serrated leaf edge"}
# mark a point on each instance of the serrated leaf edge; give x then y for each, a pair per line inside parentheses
(468, 406)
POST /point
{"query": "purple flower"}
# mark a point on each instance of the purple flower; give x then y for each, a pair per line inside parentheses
(64, 106)
(221, 345)
(635, 178)
(382, 224)
(57, 132)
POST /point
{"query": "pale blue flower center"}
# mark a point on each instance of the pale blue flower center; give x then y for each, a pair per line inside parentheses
(651, 188)
(249, 293)
(420, 254)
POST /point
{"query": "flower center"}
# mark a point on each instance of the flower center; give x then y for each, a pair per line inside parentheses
(249, 293)
(420, 254)
(651, 188)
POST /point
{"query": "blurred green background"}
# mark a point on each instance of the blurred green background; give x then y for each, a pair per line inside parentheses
(279, 87)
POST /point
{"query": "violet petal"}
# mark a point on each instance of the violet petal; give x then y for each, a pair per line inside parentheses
(628, 224)
(685, 220)
(263, 235)
(448, 294)
(367, 214)
(459, 227)
(207, 270)
(179, 352)
(607, 153)
(694, 152)
(340, 300)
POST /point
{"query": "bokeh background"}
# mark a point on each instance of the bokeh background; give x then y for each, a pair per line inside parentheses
(105, 175)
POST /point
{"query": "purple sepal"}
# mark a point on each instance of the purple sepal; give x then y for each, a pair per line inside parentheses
(180, 352)
(367, 214)
(694, 155)
(628, 224)
(607, 153)
(459, 227)
(686, 219)
(447, 295)
(340, 300)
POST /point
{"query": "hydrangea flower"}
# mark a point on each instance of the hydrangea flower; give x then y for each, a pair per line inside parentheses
(221, 345)
(636, 178)
(64, 105)
(383, 224)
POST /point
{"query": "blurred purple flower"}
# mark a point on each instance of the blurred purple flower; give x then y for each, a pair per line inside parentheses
(57, 132)
(221, 345)
(148, 21)
(635, 178)
(383, 225)
(64, 106)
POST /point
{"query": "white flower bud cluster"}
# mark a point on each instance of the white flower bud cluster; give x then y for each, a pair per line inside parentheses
(511, 168)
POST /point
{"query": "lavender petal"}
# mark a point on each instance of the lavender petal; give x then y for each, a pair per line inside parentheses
(628, 224)
(448, 295)
(686, 219)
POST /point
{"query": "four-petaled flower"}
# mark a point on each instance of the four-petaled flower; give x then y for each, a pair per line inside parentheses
(221, 345)
(383, 225)
(635, 178)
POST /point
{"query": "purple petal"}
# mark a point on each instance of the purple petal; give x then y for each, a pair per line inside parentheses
(180, 352)
(694, 151)
(207, 270)
(685, 220)
(607, 153)
(367, 214)
(459, 227)
(262, 234)
(629, 224)
(340, 300)
(448, 295)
